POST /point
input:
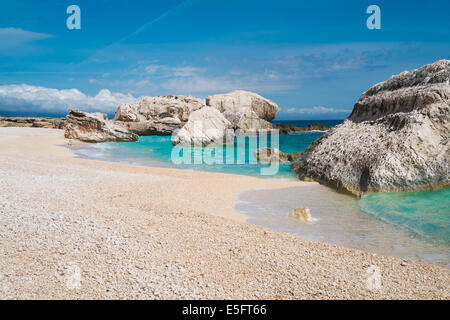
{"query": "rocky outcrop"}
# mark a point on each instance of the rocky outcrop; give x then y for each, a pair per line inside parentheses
(205, 127)
(95, 127)
(288, 129)
(267, 155)
(238, 103)
(51, 123)
(396, 139)
(247, 112)
(157, 115)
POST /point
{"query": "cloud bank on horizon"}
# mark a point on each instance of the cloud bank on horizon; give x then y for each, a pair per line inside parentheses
(284, 51)
(17, 98)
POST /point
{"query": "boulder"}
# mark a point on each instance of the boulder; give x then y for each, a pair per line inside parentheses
(396, 138)
(236, 103)
(157, 115)
(267, 155)
(250, 123)
(205, 127)
(95, 127)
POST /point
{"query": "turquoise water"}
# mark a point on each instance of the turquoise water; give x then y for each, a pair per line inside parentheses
(413, 225)
(424, 213)
(157, 151)
(338, 218)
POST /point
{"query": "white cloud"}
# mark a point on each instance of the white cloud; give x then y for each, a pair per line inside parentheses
(12, 39)
(166, 71)
(32, 98)
(207, 85)
(153, 68)
(185, 71)
(314, 110)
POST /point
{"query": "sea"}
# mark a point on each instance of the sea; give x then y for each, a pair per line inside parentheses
(414, 225)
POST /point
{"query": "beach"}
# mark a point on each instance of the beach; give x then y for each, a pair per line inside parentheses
(73, 228)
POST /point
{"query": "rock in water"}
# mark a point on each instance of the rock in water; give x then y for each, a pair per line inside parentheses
(205, 127)
(302, 214)
(396, 138)
(157, 115)
(238, 103)
(95, 127)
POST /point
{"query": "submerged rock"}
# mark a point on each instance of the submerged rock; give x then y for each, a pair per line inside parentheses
(157, 115)
(267, 155)
(302, 214)
(396, 138)
(95, 127)
(205, 127)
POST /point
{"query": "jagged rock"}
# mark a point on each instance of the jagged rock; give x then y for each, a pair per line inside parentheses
(51, 123)
(206, 126)
(157, 115)
(267, 155)
(302, 214)
(236, 103)
(95, 127)
(396, 138)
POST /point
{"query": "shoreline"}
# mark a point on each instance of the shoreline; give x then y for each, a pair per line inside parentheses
(146, 232)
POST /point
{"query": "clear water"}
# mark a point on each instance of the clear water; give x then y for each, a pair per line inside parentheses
(338, 219)
(410, 225)
(426, 214)
(157, 151)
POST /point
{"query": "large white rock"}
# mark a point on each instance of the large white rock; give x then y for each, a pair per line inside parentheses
(237, 103)
(157, 115)
(250, 123)
(95, 127)
(205, 127)
(396, 139)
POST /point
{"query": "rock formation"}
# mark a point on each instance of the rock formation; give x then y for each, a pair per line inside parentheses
(51, 123)
(206, 126)
(236, 104)
(157, 115)
(95, 127)
(396, 139)
(267, 155)
(288, 129)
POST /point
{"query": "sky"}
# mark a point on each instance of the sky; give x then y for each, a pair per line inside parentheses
(313, 58)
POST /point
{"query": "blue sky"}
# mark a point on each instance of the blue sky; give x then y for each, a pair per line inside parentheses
(314, 58)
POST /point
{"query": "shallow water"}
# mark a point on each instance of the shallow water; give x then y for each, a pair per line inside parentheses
(409, 225)
(337, 219)
(157, 151)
